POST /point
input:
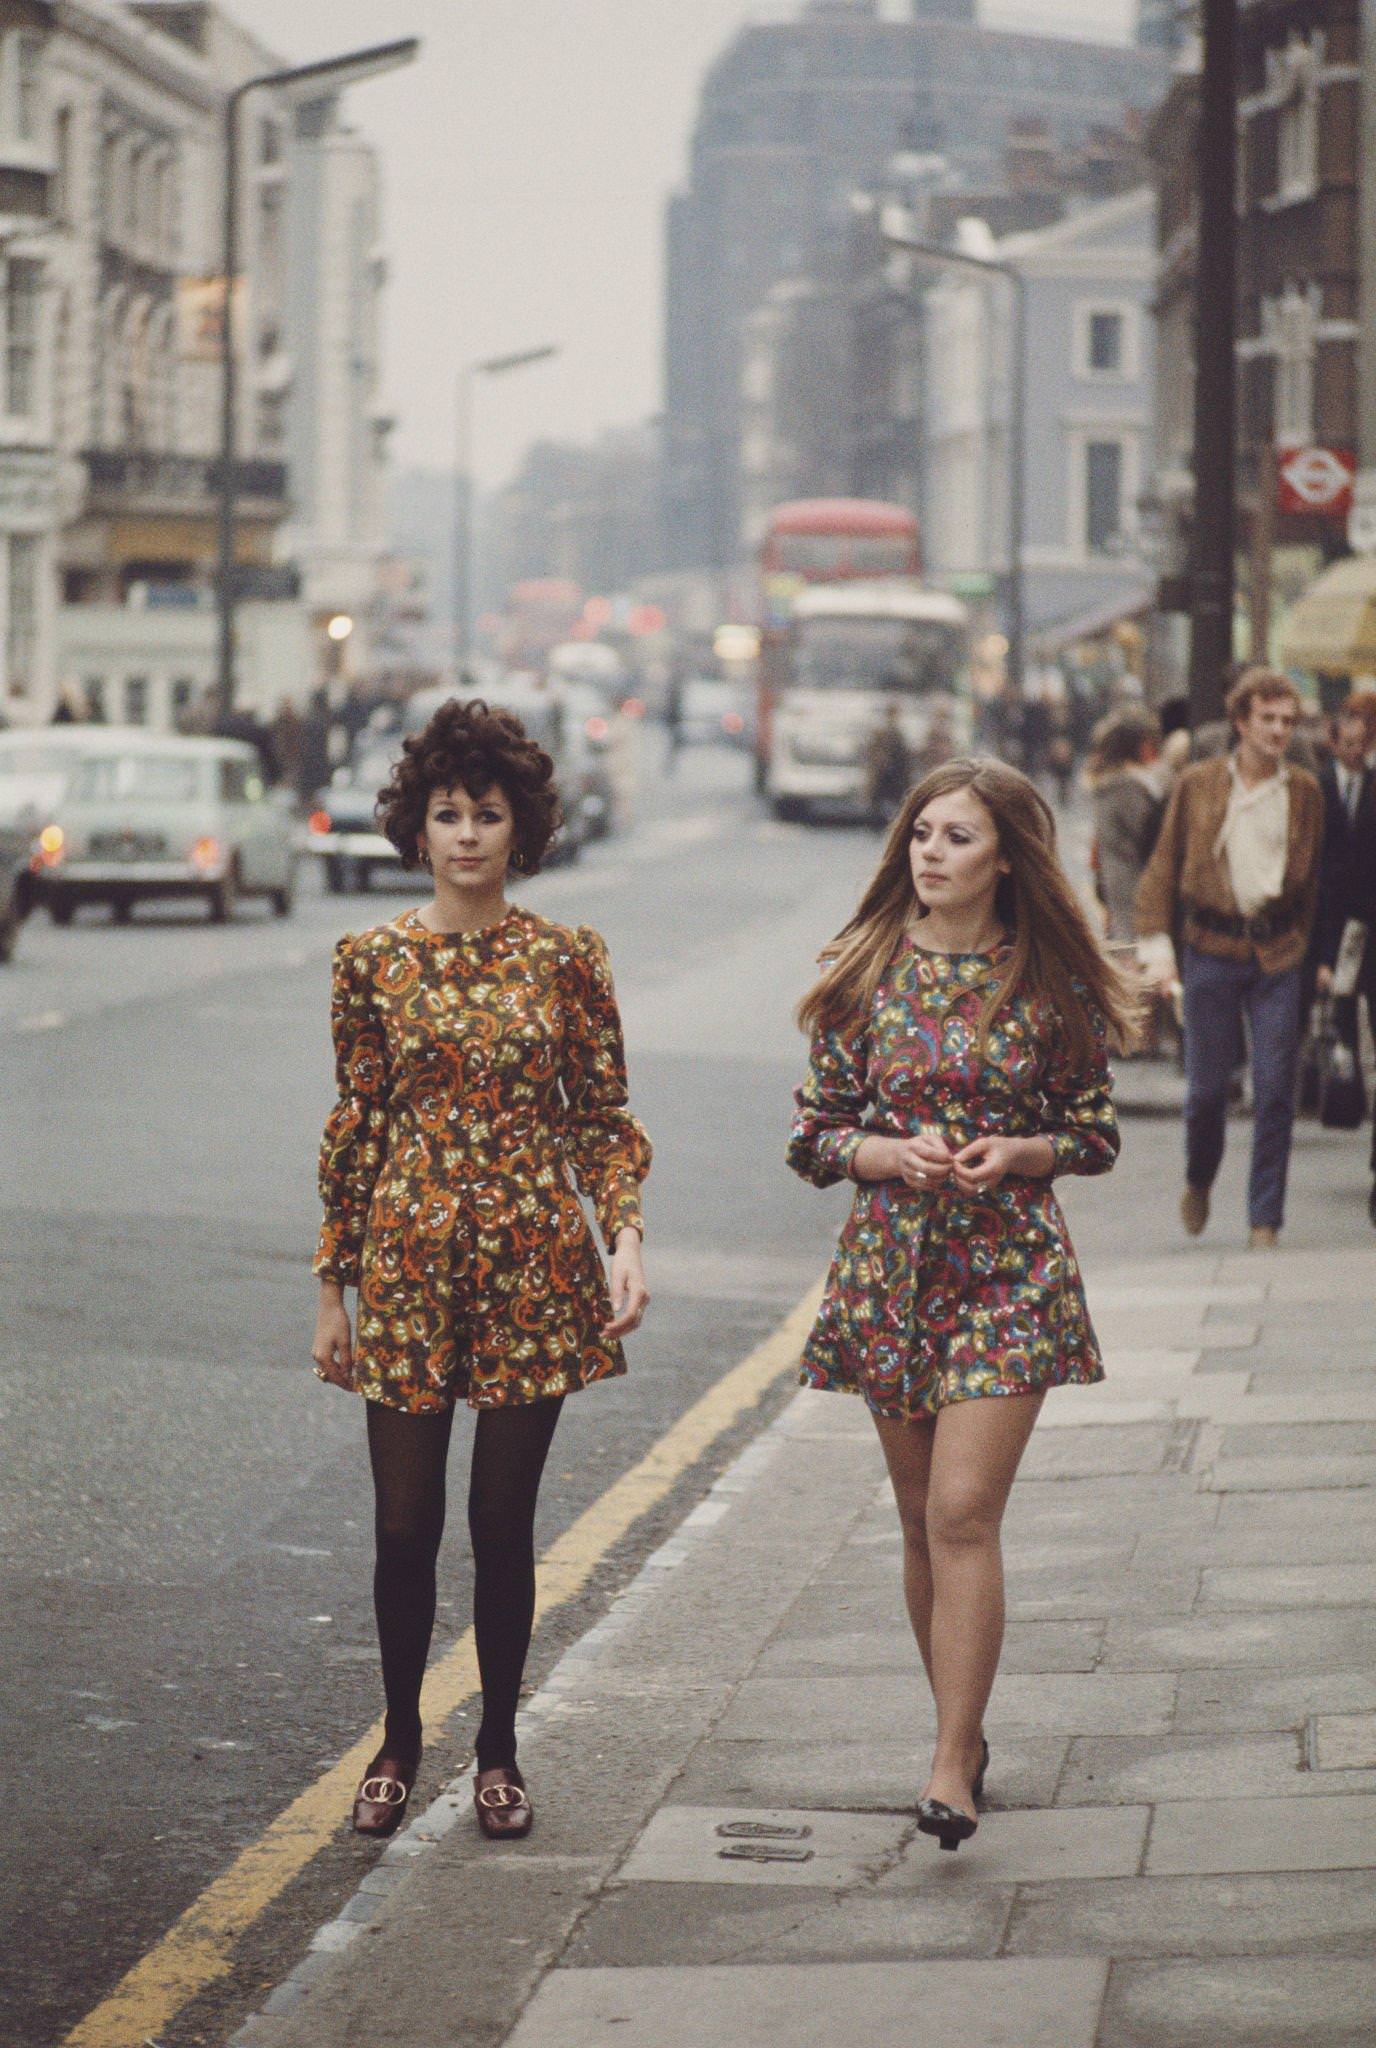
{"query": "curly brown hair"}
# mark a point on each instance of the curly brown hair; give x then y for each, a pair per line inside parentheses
(478, 747)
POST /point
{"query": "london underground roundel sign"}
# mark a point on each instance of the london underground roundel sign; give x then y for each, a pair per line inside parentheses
(1315, 480)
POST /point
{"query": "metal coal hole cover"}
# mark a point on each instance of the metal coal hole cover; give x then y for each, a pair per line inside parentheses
(762, 1831)
(765, 1852)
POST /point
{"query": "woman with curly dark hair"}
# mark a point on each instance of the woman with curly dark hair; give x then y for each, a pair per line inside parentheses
(479, 1061)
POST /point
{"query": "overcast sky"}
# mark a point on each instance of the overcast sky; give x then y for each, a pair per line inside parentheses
(526, 157)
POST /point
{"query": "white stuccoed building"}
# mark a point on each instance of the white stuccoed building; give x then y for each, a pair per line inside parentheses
(1089, 283)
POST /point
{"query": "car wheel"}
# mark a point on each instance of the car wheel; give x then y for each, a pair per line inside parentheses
(363, 877)
(9, 932)
(282, 899)
(121, 909)
(334, 874)
(789, 810)
(61, 913)
(223, 896)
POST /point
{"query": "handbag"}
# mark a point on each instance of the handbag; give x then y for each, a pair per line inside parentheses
(1342, 1091)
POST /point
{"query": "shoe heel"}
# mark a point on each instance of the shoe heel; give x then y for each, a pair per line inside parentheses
(950, 1841)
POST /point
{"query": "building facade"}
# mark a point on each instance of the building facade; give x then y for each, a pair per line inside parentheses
(29, 202)
(793, 118)
(1088, 284)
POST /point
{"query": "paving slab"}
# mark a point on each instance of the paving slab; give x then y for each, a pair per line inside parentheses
(1298, 1508)
(834, 1709)
(697, 1923)
(1099, 1407)
(1019, 1847)
(857, 1776)
(1337, 1639)
(1330, 1912)
(1337, 1540)
(1029, 2003)
(1344, 1742)
(1048, 1594)
(1095, 1453)
(1281, 1473)
(1290, 1585)
(1131, 1330)
(1263, 1834)
(1350, 1408)
(1156, 1769)
(729, 1845)
(1242, 2002)
(1240, 1701)
(1028, 1646)
(1305, 1436)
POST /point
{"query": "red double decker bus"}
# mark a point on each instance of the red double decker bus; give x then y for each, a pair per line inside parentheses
(821, 540)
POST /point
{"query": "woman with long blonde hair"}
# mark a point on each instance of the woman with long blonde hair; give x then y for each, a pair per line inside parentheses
(959, 1034)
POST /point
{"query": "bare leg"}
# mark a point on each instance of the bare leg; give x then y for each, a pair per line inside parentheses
(975, 1455)
(907, 1447)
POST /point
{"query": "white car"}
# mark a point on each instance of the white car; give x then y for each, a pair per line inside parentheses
(145, 815)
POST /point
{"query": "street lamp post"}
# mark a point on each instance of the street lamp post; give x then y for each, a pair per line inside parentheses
(1213, 542)
(465, 525)
(960, 259)
(300, 83)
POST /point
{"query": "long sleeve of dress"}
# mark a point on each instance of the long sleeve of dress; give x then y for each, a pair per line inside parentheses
(830, 1109)
(355, 1141)
(1077, 1108)
(606, 1146)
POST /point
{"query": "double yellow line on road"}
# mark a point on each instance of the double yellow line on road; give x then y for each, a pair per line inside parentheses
(198, 1948)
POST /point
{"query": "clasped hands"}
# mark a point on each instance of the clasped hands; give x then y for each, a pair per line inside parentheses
(927, 1161)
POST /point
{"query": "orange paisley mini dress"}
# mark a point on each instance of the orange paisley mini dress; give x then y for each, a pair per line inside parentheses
(481, 1077)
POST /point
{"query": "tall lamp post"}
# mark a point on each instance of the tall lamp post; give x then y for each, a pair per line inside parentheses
(465, 525)
(299, 84)
(1212, 557)
(959, 259)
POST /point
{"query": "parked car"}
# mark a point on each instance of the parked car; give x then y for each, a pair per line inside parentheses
(147, 815)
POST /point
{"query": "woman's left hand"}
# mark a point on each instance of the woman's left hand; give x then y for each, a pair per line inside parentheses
(984, 1162)
(630, 1295)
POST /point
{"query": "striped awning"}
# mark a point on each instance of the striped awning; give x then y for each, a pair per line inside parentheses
(1332, 628)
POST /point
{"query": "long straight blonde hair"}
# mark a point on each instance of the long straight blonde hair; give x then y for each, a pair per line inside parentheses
(1055, 954)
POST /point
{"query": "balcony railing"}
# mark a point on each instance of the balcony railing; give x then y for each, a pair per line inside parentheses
(137, 480)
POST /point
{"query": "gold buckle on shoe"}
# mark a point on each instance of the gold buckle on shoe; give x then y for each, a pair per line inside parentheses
(500, 1798)
(383, 1792)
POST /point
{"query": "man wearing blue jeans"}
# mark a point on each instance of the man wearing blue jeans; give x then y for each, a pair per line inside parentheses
(1234, 875)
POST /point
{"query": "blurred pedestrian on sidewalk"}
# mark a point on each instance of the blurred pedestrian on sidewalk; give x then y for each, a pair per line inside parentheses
(1347, 891)
(479, 1057)
(1235, 872)
(888, 768)
(958, 1063)
(1128, 786)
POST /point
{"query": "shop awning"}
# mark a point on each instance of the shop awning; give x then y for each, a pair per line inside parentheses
(1092, 625)
(1332, 628)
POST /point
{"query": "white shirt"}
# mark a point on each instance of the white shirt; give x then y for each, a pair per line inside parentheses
(1253, 838)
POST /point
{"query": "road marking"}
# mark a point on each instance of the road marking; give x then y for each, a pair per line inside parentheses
(197, 1949)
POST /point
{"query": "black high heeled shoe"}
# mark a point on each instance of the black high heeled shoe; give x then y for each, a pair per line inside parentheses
(950, 1826)
(977, 1789)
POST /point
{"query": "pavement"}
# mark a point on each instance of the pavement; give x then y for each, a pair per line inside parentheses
(1179, 1843)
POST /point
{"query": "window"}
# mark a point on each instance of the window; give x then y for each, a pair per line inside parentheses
(62, 158)
(183, 692)
(1287, 326)
(25, 53)
(1105, 341)
(21, 285)
(147, 778)
(1103, 495)
(234, 781)
(136, 700)
(21, 618)
(1296, 73)
(93, 690)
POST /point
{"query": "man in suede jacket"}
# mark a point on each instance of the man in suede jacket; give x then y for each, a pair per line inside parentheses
(1234, 879)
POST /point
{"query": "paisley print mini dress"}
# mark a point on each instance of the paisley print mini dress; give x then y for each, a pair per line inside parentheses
(934, 1296)
(481, 1076)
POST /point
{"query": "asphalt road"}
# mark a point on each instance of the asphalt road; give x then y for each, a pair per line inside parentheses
(184, 1510)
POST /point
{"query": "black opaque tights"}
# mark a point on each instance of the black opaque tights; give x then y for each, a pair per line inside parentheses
(409, 1454)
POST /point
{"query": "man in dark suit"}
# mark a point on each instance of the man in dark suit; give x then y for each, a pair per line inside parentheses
(1347, 877)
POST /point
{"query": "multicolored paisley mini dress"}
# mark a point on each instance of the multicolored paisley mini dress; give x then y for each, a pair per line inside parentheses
(934, 1296)
(481, 1079)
